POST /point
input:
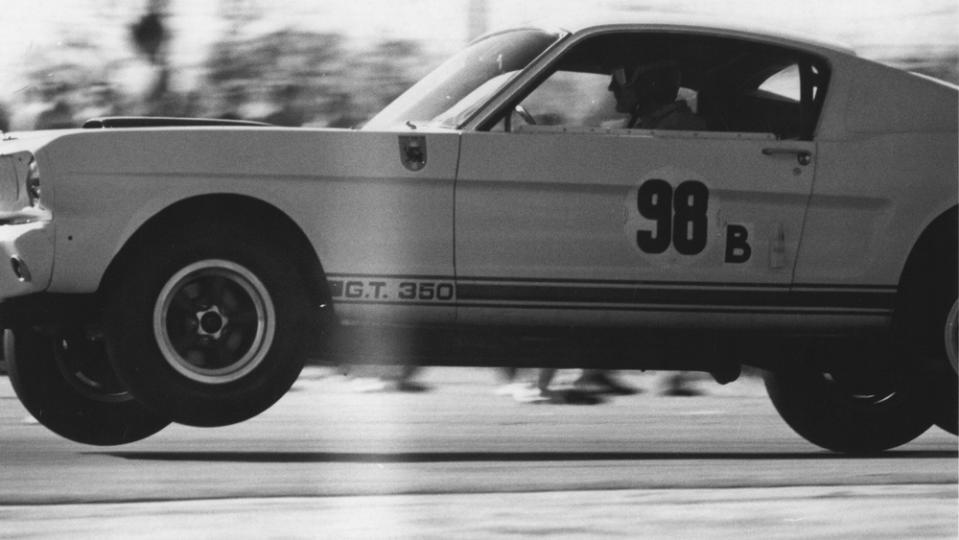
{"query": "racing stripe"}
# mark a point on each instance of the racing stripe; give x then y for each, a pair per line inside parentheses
(685, 296)
(614, 295)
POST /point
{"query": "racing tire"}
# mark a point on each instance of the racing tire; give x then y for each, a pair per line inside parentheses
(855, 418)
(64, 380)
(945, 388)
(210, 326)
(926, 321)
(946, 412)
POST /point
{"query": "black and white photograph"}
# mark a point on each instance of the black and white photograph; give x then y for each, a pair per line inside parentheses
(479, 269)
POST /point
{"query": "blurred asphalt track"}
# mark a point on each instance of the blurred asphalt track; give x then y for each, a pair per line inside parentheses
(458, 461)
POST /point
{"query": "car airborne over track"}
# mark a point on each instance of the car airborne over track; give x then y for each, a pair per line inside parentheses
(639, 196)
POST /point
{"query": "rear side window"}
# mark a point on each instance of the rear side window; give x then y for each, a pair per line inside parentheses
(784, 84)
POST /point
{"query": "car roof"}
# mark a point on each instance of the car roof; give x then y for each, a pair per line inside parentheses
(699, 25)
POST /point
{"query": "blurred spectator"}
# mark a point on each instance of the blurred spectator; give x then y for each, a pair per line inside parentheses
(541, 391)
(389, 379)
(538, 392)
(603, 381)
(680, 383)
(509, 384)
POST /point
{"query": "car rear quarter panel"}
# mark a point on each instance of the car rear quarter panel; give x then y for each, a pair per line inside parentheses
(361, 209)
(886, 168)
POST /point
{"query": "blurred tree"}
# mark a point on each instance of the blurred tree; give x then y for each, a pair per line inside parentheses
(293, 77)
(54, 89)
(288, 74)
(58, 116)
(71, 81)
(379, 76)
(392, 67)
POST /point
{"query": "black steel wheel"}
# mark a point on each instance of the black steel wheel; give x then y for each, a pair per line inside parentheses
(64, 380)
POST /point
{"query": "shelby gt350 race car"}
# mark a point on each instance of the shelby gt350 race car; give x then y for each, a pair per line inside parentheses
(642, 196)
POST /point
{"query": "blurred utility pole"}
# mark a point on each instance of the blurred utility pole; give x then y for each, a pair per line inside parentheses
(478, 19)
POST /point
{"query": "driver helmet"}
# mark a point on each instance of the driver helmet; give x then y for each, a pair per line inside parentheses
(657, 81)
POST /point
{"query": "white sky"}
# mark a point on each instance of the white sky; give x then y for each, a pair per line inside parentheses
(31, 28)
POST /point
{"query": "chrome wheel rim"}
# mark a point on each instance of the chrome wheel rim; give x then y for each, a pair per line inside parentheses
(214, 321)
(952, 336)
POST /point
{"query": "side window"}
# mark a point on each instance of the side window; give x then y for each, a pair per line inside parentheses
(784, 84)
(781, 97)
(786, 103)
(577, 99)
(676, 82)
(570, 99)
(772, 107)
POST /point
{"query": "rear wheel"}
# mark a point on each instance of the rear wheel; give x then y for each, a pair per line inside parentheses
(947, 397)
(926, 319)
(211, 329)
(847, 412)
(946, 388)
(63, 379)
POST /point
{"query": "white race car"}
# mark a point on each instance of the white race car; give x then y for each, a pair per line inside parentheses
(637, 196)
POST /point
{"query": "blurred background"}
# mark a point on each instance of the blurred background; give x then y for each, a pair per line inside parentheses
(336, 62)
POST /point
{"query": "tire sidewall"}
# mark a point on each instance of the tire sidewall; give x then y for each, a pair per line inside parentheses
(927, 292)
(824, 413)
(135, 353)
(52, 400)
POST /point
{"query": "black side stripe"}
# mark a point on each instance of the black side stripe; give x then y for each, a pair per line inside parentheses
(783, 298)
(688, 309)
(664, 284)
(666, 296)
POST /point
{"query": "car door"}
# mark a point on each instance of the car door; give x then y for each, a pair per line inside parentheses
(591, 226)
(382, 217)
(578, 206)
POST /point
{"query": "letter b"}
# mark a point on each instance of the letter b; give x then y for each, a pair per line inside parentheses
(737, 247)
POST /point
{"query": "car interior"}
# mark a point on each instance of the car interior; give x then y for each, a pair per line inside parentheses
(736, 86)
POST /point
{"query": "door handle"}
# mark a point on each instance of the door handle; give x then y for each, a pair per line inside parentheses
(803, 156)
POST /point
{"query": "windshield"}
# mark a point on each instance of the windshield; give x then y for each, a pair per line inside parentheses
(451, 93)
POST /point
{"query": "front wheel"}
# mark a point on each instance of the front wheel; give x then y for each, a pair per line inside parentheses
(63, 379)
(211, 329)
(848, 413)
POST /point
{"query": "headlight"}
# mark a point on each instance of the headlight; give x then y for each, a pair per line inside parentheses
(33, 183)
